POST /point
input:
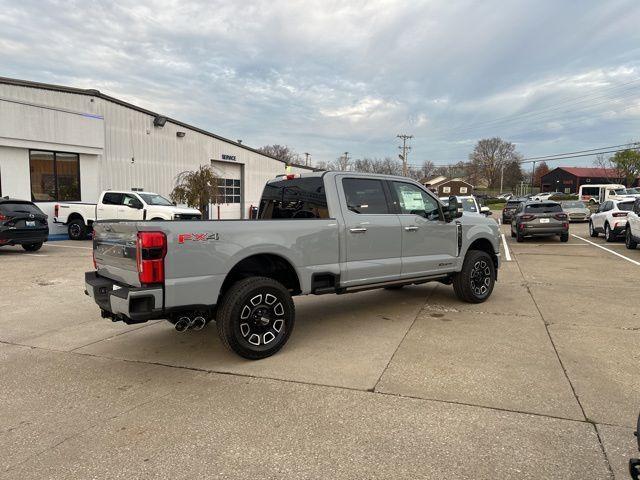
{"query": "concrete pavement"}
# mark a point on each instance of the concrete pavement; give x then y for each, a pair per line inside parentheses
(534, 383)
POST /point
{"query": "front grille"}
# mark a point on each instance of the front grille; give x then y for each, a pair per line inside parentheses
(188, 217)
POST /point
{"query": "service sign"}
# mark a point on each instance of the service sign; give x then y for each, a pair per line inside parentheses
(228, 157)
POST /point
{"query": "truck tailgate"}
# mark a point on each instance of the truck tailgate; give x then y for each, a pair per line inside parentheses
(114, 247)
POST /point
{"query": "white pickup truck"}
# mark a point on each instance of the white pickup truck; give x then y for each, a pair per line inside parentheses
(119, 205)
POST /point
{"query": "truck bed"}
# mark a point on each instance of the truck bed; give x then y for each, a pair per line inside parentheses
(201, 253)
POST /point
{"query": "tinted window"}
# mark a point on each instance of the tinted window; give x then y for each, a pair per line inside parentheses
(365, 196)
(513, 204)
(54, 176)
(591, 191)
(111, 198)
(10, 209)
(131, 201)
(413, 200)
(295, 198)
(468, 205)
(636, 207)
(625, 206)
(543, 208)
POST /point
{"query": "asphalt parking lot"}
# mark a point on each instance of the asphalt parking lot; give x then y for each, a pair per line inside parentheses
(541, 381)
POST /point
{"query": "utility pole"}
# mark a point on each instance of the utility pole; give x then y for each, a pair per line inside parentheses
(306, 161)
(345, 163)
(405, 148)
(533, 171)
(501, 177)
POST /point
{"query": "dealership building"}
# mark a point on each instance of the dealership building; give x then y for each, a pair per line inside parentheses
(64, 144)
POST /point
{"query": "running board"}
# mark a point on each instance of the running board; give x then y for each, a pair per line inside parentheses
(372, 286)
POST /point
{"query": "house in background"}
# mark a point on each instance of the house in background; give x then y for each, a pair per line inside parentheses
(569, 179)
(443, 186)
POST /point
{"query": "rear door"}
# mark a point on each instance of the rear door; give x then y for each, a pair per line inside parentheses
(372, 231)
(429, 244)
(107, 208)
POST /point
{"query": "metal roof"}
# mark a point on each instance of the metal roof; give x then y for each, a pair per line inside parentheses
(96, 93)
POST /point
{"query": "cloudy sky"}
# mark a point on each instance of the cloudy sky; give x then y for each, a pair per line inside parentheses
(327, 77)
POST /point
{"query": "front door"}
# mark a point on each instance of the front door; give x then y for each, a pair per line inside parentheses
(372, 233)
(131, 208)
(429, 244)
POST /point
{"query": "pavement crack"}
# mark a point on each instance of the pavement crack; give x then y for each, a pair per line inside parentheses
(420, 310)
(566, 374)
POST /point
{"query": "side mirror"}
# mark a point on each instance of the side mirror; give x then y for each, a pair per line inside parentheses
(486, 211)
(453, 210)
(137, 206)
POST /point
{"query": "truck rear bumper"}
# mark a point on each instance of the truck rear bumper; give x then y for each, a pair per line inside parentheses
(123, 303)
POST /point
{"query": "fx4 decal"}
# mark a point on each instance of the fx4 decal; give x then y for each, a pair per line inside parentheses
(197, 237)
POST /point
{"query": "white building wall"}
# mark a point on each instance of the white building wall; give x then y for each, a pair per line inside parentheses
(134, 153)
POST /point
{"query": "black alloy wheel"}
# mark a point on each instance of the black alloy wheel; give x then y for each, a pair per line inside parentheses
(256, 317)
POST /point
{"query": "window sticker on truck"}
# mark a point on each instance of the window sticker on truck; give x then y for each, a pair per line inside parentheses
(197, 237)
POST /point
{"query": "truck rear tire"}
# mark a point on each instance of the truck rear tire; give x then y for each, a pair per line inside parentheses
(77, 230)
(255, 317)
(474, 283)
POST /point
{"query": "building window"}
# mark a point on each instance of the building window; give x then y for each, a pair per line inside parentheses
(446, 189)
(54, 176)
(463, 189)
(229, 190)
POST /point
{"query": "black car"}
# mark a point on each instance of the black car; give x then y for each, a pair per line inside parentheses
(22, 223)
(510, 208)
(535, 218)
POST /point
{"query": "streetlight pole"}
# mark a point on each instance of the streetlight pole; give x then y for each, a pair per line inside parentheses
(501, 177)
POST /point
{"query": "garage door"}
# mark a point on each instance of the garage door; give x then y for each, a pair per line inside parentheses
(229, 204)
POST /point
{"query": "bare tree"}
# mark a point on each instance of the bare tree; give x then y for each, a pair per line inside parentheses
(626, 163)
(488, 158)
(281, 152)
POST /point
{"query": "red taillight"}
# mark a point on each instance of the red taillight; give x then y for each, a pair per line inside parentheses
(526, 218)
(56, 210)
(620, 214)
(291, 176)
(560, 216)
(3, 218)
(152, 247)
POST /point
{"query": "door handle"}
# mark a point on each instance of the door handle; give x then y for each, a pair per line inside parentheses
(358, 230)
(412, 228)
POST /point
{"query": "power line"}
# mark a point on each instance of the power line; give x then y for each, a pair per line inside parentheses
(557, 106)
(582, 151)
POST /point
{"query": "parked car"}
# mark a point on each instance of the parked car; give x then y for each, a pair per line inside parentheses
(119, 205)
(599, 193)
(510, 208)
(576, 210)
(632, 231)
(633, 192)
(535, 218)
(540, 197)
(22, 223)
(319, 233)
(610, 219)
(469, 204)
(505, 196)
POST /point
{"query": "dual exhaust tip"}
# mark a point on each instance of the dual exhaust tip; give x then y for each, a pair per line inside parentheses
(188, 323)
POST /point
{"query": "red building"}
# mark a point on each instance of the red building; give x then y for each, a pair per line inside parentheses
(569, 179)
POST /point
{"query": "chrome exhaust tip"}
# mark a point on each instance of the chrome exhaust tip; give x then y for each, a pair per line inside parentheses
(198, 323)
(182, 324)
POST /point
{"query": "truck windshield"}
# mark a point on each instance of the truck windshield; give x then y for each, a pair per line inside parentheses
(298, 198)
(155, 199)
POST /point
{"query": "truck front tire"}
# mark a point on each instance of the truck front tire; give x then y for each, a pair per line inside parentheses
(474, 283)
(77, 230)
(255, 317)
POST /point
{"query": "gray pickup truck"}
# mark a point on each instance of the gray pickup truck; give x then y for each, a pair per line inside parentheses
(319, 233)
